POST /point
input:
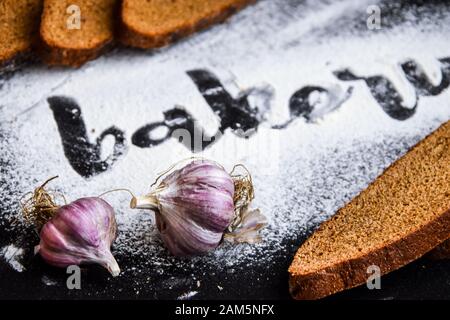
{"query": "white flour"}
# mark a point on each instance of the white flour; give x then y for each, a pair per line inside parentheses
(302, 174)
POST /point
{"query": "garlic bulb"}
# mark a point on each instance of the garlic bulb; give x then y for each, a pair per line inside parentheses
(80, 232)
(194, 206)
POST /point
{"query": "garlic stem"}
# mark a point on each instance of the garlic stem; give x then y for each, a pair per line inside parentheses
(111, 265)
(145, 202)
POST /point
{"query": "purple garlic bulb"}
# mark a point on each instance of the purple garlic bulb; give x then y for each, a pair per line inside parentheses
(193, 206)
(80, 233)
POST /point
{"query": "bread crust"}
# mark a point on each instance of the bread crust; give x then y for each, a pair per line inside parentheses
(130, 36)
(351, 273)
(15, 61)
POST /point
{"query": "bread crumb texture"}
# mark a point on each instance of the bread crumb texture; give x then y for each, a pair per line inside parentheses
(65, 45)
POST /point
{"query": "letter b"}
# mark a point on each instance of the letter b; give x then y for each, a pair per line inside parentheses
(74, 280)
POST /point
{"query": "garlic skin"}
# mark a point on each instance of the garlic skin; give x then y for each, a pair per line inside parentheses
(193, 207)
(80, 233)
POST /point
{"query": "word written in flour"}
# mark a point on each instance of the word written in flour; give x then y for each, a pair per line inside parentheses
(235, 114)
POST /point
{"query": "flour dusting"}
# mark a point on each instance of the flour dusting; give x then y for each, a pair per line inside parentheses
(316, 139)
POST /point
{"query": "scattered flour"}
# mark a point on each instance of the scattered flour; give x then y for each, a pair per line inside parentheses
(302, 174)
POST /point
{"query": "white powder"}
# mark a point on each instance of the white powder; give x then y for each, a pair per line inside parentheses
(187, 295)
(302, 174)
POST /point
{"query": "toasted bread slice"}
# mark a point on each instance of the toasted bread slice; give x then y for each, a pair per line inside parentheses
(19, 27)
(156, 23)
(401, 216)
(67, 43)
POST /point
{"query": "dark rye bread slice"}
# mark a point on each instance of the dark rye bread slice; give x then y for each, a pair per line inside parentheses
(66, 46)
(156, 23)
(441, 252)
(401, 216)
(19, 28)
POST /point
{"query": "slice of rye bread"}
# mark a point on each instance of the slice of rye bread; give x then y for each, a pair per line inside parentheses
(19, 28)
(64, 45)
(441, 252)
(156, 23)
(401, 216)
